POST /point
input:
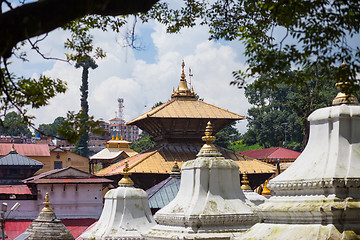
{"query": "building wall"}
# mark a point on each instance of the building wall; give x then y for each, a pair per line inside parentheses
(67, 159)
(29, 209)
(68, 201)
(74, 200)
(128, 132)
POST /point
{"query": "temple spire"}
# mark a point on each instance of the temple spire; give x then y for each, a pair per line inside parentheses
(245, 182)
(345, 86)
(126, 180)
(183, 90)
(47, 204)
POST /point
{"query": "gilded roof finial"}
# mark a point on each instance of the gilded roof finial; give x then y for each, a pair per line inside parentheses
(208, 147)
(112, 137)
(47, 204)
(126, 180)
(121, 138)
(117, 136)
(182, 90)
(265, 190)
(344, 96)
(13, 147)
(245, 182)
(182, 69)
(175, 168)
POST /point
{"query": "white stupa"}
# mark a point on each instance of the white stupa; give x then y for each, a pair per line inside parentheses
(126, 213)
(209, 204)
(318, 196)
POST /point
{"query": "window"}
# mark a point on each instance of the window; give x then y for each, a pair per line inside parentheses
(57, 164)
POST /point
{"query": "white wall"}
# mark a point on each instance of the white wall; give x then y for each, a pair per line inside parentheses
(85, 202)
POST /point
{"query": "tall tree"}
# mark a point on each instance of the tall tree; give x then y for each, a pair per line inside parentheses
(13, 126)
(82, 145)
(227, 136)
(52, 128)
(285, 109)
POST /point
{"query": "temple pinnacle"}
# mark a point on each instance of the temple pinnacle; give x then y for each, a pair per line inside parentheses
(126, 180)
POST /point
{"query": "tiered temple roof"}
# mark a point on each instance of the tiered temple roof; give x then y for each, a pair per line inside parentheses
(177, 127)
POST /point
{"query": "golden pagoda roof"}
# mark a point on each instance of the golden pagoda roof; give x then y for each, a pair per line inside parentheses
(189, 108)
(184, 105)
(161, 160)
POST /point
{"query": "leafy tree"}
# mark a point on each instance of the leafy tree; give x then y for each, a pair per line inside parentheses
(84, 135)
(144, 143)
(52, 128)
(276, 34)
(285, 109)
(13, 126)
(227, 136)
(72, 126)
(33, 19)
(40, 17)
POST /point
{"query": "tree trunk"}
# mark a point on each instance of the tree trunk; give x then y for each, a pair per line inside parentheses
(36, 18)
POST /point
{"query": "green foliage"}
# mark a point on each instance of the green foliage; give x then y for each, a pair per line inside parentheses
(286, 108)
(72, 126)
(276, 34)
(227, 136)
(157, 104)
(144, 143)
(81, 40)
(13, 125)
(240, 146)
(21, 93)
(51, 129)
(82, 144)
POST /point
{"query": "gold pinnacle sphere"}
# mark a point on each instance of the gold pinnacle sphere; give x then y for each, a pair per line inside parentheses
(245, 182)
(345, 86)
(175, 168)
(208, 147)
(126, 180)
(183, 90)
(47, 204)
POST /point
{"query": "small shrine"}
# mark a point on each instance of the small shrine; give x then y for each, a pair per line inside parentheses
(209, 204)
(126, 213)
(318, 196)
(47, 226)
(115, 151)
(14, 167)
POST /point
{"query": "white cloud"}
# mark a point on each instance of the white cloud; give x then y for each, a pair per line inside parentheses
(143, 84)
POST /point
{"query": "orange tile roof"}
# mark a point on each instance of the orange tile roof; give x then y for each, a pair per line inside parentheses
(188, 108)
(161, 159)
(25, 149)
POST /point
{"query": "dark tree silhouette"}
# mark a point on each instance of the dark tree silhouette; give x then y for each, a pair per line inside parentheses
(82, 145)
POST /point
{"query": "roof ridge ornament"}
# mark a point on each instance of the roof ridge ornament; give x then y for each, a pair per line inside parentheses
(344, 96)
(183, 90)
(126, 180)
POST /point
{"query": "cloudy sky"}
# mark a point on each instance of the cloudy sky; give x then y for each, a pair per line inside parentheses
(143, 77)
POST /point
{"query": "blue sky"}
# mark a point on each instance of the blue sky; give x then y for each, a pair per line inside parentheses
(143, 77)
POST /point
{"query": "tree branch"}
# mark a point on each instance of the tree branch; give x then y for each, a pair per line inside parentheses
(34, 19)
